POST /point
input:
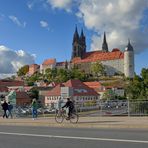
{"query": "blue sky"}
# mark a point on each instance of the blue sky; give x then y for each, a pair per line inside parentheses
(34, 30)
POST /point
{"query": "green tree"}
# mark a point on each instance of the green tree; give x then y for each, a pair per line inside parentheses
(137, 87)
(75, 73)
(34, 78)
(62, 75)
(98, 69)
(23, 70)
(109, 95)
(34, 93)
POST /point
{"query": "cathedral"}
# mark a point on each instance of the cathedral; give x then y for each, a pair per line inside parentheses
(114, 61)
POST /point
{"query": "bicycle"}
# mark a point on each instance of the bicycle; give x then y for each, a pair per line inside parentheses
(61, 115)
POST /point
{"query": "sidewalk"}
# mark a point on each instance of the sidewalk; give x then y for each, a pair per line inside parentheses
(84, 122)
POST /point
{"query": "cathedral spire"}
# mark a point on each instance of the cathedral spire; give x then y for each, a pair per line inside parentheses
(82, 34)
(104, 45)
(82, 43)
(76, 35)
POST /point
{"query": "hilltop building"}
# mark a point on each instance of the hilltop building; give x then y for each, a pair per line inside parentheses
(114, 61)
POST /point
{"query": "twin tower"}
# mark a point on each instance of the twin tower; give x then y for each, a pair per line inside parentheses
(79, 44)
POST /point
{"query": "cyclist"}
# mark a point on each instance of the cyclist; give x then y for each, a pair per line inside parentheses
(70, 105)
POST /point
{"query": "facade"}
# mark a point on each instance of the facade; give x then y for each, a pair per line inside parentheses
(81, 93)
(48, 63)
(33, 68)
(114, 61)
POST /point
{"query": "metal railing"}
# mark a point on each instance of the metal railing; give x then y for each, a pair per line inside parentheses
(90, 108)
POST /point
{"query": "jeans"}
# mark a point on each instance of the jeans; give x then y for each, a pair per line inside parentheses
(10, 113)
(34, 113)
(5, 114)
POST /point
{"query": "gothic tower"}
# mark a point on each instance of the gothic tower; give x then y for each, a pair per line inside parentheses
(78, 45)
(104, 44)
(129, 61)
(82, 43)
(75, 44)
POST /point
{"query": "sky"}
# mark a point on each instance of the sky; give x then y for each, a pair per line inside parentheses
(34, 30)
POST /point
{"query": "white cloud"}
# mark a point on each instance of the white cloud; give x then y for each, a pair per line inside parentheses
(30, 5)
(15, 20)
(61, 4)
(12, 60)
(120, 19)
(43, 24)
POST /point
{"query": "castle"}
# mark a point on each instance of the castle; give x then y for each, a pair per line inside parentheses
(115, 61)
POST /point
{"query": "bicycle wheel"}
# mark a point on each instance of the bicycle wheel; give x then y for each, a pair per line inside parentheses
(59, 117)
(74, 118)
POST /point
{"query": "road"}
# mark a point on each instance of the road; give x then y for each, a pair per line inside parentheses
(45, 137)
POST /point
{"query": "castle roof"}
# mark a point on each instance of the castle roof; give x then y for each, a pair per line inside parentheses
(99, 56)
(49, 61)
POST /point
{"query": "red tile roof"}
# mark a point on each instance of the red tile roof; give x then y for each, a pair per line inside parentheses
(80, 89)
(60, 63)
(49, 61)
(93, 84)
(11, 83)
(56, 91)
(3, 89)
(99, 56)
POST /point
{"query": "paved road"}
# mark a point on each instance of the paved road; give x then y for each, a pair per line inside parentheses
(45, 137)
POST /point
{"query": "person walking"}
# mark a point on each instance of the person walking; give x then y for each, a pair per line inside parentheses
(34, 109)
(5, 108)
(10, 107)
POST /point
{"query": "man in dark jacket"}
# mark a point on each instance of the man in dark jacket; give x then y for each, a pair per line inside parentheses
(70, 105)
(5, 108)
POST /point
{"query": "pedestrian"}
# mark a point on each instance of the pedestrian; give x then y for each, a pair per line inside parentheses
(59, 104)
(34, 109)
(10, 107)
(5, 108)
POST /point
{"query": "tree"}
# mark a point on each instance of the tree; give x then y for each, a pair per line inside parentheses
(137, 87)
(98, 69)
(23, 70)
(109, 95)
(62, 75)
(34, 93)
(32, 79)
(75, 73)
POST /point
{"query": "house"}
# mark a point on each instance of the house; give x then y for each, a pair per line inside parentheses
(81, 93)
